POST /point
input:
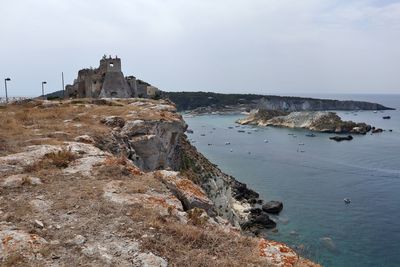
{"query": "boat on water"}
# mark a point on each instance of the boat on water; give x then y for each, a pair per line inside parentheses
(386, 117)
(310, 135)
(241, 131)
(203, 135)
(189, 131)
(347, 200)
(265, 141)
(227, 143)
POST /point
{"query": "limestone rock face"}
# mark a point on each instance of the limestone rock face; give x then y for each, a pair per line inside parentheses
(129, 189)
(191, 195)
(154, 145)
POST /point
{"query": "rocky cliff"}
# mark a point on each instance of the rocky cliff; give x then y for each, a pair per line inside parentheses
(204, 102)
(312, 104)
(116, 183)
(319, 121)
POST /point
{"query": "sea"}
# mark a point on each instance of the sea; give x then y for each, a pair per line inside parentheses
(313, 175)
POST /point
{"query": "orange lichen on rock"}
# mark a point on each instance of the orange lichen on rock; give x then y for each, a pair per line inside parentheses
(277, 254)
(188, 186)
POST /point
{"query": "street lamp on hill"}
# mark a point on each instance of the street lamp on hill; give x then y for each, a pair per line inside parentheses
(43, 83)
(5, 85)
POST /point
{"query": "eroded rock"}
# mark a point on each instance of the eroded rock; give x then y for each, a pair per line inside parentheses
(191, 195)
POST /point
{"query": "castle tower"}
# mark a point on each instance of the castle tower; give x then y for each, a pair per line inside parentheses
(114, 84)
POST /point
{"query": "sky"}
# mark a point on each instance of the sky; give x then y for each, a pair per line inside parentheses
(227, 46)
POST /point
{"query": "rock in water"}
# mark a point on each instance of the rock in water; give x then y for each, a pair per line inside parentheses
(273, 207)
(341, 138)
(328, 243)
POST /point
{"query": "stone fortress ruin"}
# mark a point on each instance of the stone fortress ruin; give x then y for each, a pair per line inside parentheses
(108, 81)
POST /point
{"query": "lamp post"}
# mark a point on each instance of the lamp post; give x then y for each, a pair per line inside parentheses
(5, 85)
(43, 83)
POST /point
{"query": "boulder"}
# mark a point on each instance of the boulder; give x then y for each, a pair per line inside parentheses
(273, 207)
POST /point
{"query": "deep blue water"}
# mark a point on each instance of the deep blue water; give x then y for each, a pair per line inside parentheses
(312, 184)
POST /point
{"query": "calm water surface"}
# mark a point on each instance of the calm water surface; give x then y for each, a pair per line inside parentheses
(313, 179)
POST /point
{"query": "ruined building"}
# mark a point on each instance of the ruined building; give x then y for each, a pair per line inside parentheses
(108, 81)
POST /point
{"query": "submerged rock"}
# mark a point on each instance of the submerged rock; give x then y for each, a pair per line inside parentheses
(341, 138)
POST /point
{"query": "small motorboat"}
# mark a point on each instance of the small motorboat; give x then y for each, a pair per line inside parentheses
(386, 117)
(311, 135)
(230, 127)
(241, 131)
(265, 141)
(347, 200)
(189, 131)
(203, 135)
(301, 144)
(227, 143)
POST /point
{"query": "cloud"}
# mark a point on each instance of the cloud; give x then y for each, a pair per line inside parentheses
(260, 46)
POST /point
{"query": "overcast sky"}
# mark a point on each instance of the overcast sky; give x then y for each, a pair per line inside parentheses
(254, 46)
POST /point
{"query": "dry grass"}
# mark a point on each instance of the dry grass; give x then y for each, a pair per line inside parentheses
(60, 159)
(190, 245)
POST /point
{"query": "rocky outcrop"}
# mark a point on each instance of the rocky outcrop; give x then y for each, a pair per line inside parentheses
(320, 121)
(273, 207)
(207, 102)
(104, 200)
(291, 104)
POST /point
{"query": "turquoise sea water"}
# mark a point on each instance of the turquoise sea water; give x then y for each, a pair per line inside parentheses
(313, 179)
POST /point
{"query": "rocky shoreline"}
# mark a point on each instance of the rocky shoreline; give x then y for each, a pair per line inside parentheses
(318, 121)
(116, 182)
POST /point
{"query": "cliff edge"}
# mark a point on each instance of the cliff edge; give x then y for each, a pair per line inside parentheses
(116, 183)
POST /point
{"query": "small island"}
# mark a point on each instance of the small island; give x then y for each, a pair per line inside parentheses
(318, 121)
